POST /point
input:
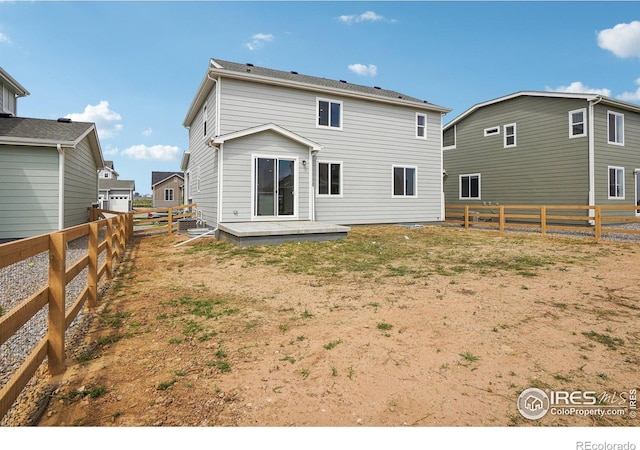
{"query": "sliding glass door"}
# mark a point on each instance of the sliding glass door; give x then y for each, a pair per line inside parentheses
(274, 187)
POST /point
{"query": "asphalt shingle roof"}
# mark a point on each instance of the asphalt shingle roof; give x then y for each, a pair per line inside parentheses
(157, 177)
(42, 129)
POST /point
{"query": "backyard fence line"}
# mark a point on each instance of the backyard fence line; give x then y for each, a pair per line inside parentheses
(117, 231)
(169, 216)
(582, 218)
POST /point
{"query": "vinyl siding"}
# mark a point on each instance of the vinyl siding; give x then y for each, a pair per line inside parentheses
(28, 191)
(80, 184)
(374, 137)
(238, 167)
(545, 167)
(174, 183)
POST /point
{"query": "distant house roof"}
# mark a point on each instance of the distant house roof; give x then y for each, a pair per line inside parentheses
(108, 184)
(49, 133)
(159, 177)
(109, 166)
(584, 96)
(17, 87)
(264, 75)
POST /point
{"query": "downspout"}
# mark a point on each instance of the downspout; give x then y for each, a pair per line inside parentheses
(312, 185)
(60, 187)
(592, 152)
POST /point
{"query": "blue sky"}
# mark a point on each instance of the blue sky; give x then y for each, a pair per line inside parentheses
(134, 67)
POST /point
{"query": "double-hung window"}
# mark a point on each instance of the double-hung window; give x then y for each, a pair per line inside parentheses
(329, 114)
(615, 128)
(470, 186)
(616, 182)
(168, 195)
(510, 135)
(330, 178)
(405, 181)
(421, 126)
(577, 123)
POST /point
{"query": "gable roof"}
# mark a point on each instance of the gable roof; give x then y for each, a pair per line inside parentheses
(17, 87)
(584, 96)
(267, 127)
(49, 133)
(220, 68)
(107, 184)
(159, 177)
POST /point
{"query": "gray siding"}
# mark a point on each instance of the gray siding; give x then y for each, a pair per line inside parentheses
(545, 167)
(374, 137)
(238, 167)
(80, 184)
(28, 191)
(174, 183)
(626, 156)
(203, 163)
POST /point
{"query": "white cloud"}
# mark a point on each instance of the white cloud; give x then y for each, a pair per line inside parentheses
(368, 16)
(111, 151)
(364, 70)
(258, 40)
(106, 120)
(623, 39)
(578, 88)
(148, 132)
(4, 38)
(154, 152)
(631, 96)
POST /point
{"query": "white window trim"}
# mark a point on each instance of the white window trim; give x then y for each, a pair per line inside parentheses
(329, 127)
(609, 196)
(424, 126)
(584, 123)
(515, 138)
(318, 194)
(491, 131)
(479, 197)
(609, 113)
(166, 190)
(296, 181)
(415, 183)
(205, 117)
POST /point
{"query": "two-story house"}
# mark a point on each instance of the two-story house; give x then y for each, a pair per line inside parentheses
(114, 194)
(272, 145)
(167, 189)
(544, 148)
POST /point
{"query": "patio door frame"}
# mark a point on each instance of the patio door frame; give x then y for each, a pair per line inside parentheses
(254, 179)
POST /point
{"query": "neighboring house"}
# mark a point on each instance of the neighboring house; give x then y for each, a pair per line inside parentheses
(271, 145)
(48, 174)
(115, 194)
(167, 189)
(544, 148)
(10, 91)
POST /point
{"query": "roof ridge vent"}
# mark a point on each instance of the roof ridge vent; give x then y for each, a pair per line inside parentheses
(64, 120)
(294, 72)
(343, 81)
(249, 64)
(377, 87)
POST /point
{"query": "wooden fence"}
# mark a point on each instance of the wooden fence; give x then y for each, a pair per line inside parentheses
(117, 231)
(147, 220)
(593, 219)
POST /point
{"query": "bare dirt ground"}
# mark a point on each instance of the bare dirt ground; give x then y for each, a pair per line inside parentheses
(391, 327)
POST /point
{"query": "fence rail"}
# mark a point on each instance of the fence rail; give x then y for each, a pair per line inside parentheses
(583, 218)
(117, 231)
(157, 219)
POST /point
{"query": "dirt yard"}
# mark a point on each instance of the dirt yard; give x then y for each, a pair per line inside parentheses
(391, 327)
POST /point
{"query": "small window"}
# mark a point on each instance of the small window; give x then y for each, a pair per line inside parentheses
(421, 126)
(577, 126)
(329, 114)
(330, 178)
(510, 135)
(168, 195)
(204, 120)
(616, 182)
(491, 131)
(405, 181)
(616, 128)
(470, 186)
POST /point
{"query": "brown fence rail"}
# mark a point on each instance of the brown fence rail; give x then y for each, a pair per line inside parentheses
(147, 220)
(100, 244)
(584, 218)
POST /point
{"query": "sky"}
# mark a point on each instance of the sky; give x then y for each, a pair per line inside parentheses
(133, 68)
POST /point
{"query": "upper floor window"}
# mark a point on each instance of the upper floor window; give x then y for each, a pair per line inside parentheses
(510, 135)
(106, 174)
(329, 114)
(577, 119)
(405, 181)
(615, 126)
(491, 131)
(470, 186)
(421, 126)
(329, 178)
(204, 120)
(616, 182)
(168, 195)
